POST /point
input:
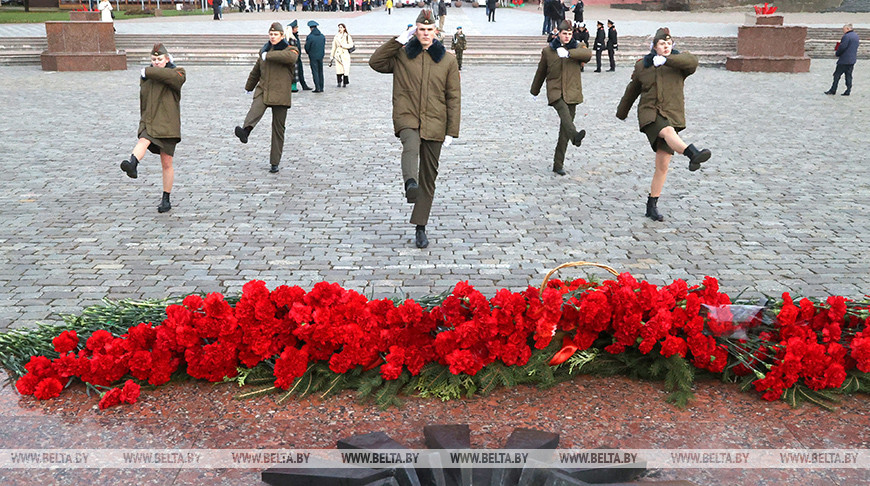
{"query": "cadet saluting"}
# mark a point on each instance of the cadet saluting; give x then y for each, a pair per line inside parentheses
(658, 79)
(560, 65)
(159, 118)
(271, 80)
(426, 109)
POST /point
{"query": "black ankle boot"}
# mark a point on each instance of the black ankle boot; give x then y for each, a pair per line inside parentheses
(243, 133)
(129, 166)
(696, 157)
(164, 204)
(346, 81)
(420, 239)
(652, 211)
(578, 139)
(412, 190)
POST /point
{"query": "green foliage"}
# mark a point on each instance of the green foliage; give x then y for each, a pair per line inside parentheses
(18, 345)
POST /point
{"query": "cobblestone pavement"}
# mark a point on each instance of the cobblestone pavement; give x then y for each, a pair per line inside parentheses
(782, 205)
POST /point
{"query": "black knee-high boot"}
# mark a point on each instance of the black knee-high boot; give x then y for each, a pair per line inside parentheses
(346, 81)
(338, 80)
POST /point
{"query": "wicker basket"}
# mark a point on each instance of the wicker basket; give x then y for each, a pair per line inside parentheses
(576, 264)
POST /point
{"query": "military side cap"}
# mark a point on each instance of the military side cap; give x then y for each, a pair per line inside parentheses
(662, 34)
(565, 25)
(158, 50)
(312, 23)
(276, 27)
(293, 24)
(426, 18)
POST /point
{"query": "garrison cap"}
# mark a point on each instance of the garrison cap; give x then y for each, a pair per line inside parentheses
(662, 34)
(276, 27)
(426, 18)
(158, 50)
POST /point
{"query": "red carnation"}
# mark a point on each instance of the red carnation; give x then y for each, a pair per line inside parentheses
(66, 342)
(48, 388)
(110, 398)
(130, 392)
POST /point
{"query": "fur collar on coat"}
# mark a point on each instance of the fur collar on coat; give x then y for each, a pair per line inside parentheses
(648, 59)
(437, 50)
(555, 44)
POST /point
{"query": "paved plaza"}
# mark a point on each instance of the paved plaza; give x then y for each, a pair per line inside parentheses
(781, 206)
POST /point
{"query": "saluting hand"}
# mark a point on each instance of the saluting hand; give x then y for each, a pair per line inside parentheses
(405, 36)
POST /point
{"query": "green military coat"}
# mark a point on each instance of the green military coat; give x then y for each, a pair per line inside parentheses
(660, 89)
(562, 74)
(426, 92)
(274, 76)
(160, 101)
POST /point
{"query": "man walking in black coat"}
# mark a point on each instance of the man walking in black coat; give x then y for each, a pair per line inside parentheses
(598, 46)
(847, 55)
(315, 46)
(612, 45)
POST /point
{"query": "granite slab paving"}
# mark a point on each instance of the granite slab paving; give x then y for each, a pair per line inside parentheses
(782, 205)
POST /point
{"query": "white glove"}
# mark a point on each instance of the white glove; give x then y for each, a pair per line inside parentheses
(659, 60)
(562, 52)
(142, 73)
(263, 55)
(405, 36)
(447, 140)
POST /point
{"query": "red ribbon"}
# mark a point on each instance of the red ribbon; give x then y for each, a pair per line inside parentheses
(568, 349)
(375, 362)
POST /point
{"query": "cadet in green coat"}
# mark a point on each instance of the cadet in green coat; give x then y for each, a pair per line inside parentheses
(159, 118)
(426, 109)
(271, 80)
(459, 44)
(560, 66)
(658, 79)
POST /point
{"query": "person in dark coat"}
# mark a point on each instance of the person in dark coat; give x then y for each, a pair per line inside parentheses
(293, 40)
(216, 7)
(271, 80)
(578, 12)
(548, 7)
(658, 79)
(581, 35)
(847, 55)
(159, 118)
(598, 46)
(612, 45)
(426, 109)
(315, 47)
(490, 10)
(560, 67)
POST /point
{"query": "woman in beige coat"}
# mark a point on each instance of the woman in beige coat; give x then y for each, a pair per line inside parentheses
(341, 45)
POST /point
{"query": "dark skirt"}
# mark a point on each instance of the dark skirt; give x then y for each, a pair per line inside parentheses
(651, 130)
(158, 145)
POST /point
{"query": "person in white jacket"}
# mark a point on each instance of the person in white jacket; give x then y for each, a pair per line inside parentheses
(105, 8)
(341, 45)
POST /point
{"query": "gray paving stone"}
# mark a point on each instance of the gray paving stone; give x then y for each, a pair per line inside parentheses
(775, 209)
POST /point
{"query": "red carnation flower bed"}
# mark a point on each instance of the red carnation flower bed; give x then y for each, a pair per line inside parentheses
(814, 345)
